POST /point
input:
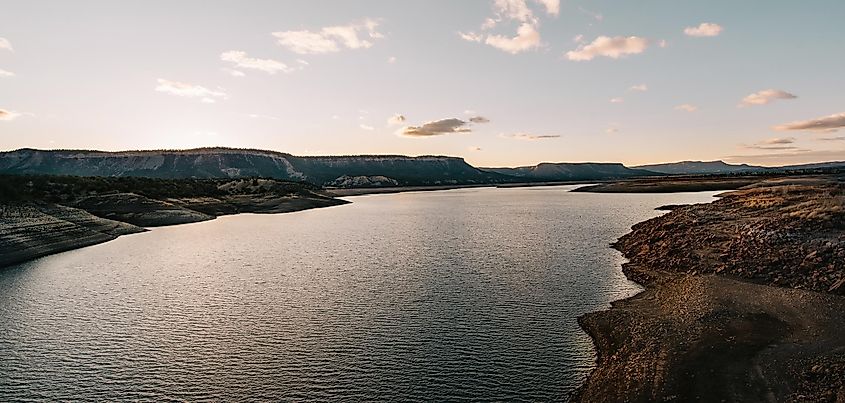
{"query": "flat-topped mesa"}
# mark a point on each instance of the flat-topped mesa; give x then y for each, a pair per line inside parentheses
(240, 163)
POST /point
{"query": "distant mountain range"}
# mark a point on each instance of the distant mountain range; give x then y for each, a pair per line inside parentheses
(573, 171)
(699, 167)
(721, 167)
(339, 171)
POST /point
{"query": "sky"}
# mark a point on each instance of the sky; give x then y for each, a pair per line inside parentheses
(498, 82)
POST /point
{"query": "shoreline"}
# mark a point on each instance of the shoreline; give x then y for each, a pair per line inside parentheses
(723, 316)
(31, 230)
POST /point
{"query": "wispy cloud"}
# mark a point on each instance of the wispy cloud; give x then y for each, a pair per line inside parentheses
(686, 108)
(366, 127)
(526, 38)
(436, 128)
(530, 137)
(471, 36)
(703, 30)
(6, 45)
(189, 90)
(391, 60)
(617, 100)
(639, 87)
(479, 119)
(612, 47)
(776, 143)
(240, 59)
(515, 11)
(596, 16)
(764, 97)
(7, 115)
(359, 35)
(259, 116)
(823, 124)
(789, 157)
(234, 73)
(6, 73)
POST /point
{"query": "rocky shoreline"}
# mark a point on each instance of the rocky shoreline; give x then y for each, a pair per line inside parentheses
(743, 302)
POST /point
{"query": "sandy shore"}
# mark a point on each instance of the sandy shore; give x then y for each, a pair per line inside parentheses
(743, 302)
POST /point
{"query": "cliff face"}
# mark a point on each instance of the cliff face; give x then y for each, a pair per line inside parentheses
(234, 163)
(573, 171)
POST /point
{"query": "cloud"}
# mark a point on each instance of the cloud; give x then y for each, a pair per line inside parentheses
(474, 148)
(6, 73)
(686, 108)
(614, 48)
(391, 59)
(825, 124)
(479, 119)
(7, 115)
(617, 100)
(436, 128)
(832, 138)
(526, 38)
(358, 35)
(189, 90)
(639, 87)
(703, 30)
(396, 119)
(365, 127)
(240, 59)
(611, 130)
(6, 45)
(527, 35)
(766, 96)
(531, 137)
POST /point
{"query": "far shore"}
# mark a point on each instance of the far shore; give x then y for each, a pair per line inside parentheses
(343, 192)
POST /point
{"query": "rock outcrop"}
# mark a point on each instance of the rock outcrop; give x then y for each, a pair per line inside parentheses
(743, 302)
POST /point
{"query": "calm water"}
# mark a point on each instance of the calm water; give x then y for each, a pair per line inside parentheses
(464, 294)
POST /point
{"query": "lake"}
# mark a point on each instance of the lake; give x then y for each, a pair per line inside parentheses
(469, 294)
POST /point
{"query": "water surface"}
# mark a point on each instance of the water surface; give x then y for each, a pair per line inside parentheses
(462, 294)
